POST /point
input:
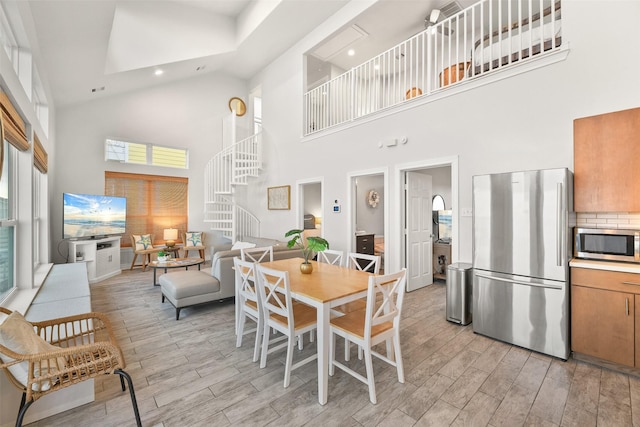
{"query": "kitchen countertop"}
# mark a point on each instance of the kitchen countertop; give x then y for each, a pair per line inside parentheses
(624, 267)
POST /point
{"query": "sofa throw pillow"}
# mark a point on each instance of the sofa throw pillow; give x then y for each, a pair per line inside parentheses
(18, 335)
(143, 242)
(242, 245)
(193, 239)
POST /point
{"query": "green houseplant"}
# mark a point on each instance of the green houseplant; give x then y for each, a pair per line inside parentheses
(308, 246)
(163, 256)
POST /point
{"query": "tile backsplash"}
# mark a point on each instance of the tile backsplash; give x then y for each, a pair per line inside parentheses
(621, 220)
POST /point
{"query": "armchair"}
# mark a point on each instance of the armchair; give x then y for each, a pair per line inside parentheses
(142, 245)
(40, 358)
(193, 241)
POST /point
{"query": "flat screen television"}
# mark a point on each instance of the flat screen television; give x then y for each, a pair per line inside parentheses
(90, 216)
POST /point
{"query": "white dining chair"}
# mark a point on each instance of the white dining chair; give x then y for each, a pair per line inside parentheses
(379, 322)
(262, 254)
(248, 303)
(364, 262)
(330, 256)
(280, 313)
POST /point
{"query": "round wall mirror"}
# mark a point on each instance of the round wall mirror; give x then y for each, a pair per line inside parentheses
(438, 203)
(237, 105)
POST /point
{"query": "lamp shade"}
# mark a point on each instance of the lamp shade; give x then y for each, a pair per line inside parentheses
(170, 234)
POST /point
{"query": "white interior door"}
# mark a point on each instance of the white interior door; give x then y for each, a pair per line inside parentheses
(419, 231)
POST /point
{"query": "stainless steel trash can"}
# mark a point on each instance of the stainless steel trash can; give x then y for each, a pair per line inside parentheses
(459, 287)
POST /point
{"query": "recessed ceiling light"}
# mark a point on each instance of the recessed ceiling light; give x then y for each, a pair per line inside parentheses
(158, 72)
(376, 67)
(351, 52)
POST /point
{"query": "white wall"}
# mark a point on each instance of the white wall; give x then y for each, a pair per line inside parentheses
(522, 122)
(186, 114)
(369, 219)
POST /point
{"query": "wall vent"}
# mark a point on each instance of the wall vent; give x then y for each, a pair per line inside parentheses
(450, 9)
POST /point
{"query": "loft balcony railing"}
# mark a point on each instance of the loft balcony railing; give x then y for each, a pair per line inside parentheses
(480, 40)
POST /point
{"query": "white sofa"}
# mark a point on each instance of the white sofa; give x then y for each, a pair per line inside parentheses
(222, 259)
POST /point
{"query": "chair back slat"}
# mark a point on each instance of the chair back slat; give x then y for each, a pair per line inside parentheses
(275, 293)
(245, 273)
(262, 254)
(392, 289)
(371, 263)
(330, 256)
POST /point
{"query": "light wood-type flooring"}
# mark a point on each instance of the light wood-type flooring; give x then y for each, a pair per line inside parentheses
(190, 373)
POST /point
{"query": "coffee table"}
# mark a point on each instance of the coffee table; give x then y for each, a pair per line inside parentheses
(174, 263)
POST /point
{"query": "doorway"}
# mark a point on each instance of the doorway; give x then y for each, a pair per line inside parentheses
(426, 257)
(369, 213)
(310, 206)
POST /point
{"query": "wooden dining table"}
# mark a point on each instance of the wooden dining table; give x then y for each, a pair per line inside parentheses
(326, 287)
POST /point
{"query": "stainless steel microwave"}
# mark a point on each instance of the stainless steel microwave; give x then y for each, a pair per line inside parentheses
(607, 244)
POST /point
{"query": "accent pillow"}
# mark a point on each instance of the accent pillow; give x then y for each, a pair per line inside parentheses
(143, 242)
(242, 245)
(193, 239)
(18, 335)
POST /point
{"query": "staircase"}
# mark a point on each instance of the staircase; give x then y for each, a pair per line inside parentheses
(232, 167)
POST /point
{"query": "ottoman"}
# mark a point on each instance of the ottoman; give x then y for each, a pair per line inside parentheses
(189, 287)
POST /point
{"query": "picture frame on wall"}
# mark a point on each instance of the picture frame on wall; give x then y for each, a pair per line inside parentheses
(279, 198)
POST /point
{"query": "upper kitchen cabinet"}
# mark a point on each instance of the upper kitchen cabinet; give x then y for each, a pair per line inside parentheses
(607, 162)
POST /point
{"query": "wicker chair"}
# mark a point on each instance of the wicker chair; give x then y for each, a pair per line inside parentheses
(87, 348)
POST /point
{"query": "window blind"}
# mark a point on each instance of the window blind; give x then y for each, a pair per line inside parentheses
(154, 202)
(40, 156)
(12, 124)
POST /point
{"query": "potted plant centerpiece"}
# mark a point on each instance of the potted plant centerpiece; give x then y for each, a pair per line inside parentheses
(308, 246)
(163, 256)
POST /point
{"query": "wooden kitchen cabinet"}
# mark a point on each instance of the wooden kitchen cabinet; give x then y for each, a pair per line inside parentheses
(605, 315)
(637, 324)
(606, 162)
(600, 325)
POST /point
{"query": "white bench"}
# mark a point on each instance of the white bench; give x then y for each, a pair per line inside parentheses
(65, 292)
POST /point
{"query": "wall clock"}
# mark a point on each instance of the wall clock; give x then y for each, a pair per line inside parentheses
(238, 105)
(373, 198)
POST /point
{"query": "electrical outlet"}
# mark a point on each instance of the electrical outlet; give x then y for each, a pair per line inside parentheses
(466, 212)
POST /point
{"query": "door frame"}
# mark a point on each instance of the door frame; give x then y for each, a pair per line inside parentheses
(400, 201)
(300, 200)
(351, 203)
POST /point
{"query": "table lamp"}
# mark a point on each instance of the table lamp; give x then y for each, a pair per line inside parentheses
(170, 235)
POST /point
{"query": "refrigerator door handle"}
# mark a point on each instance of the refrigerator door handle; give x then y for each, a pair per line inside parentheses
(559, 234)
(518, 282)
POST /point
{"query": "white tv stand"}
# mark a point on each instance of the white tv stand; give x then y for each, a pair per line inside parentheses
(102, 256)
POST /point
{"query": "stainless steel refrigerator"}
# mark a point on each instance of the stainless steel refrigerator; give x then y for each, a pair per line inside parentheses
(521, 251)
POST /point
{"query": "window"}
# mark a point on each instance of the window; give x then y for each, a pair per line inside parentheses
(7, 220)
(37, 175)
(257, 115)
(145, 154)
(154, 202)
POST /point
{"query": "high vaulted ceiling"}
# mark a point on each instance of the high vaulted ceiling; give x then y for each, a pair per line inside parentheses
(90, 44)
